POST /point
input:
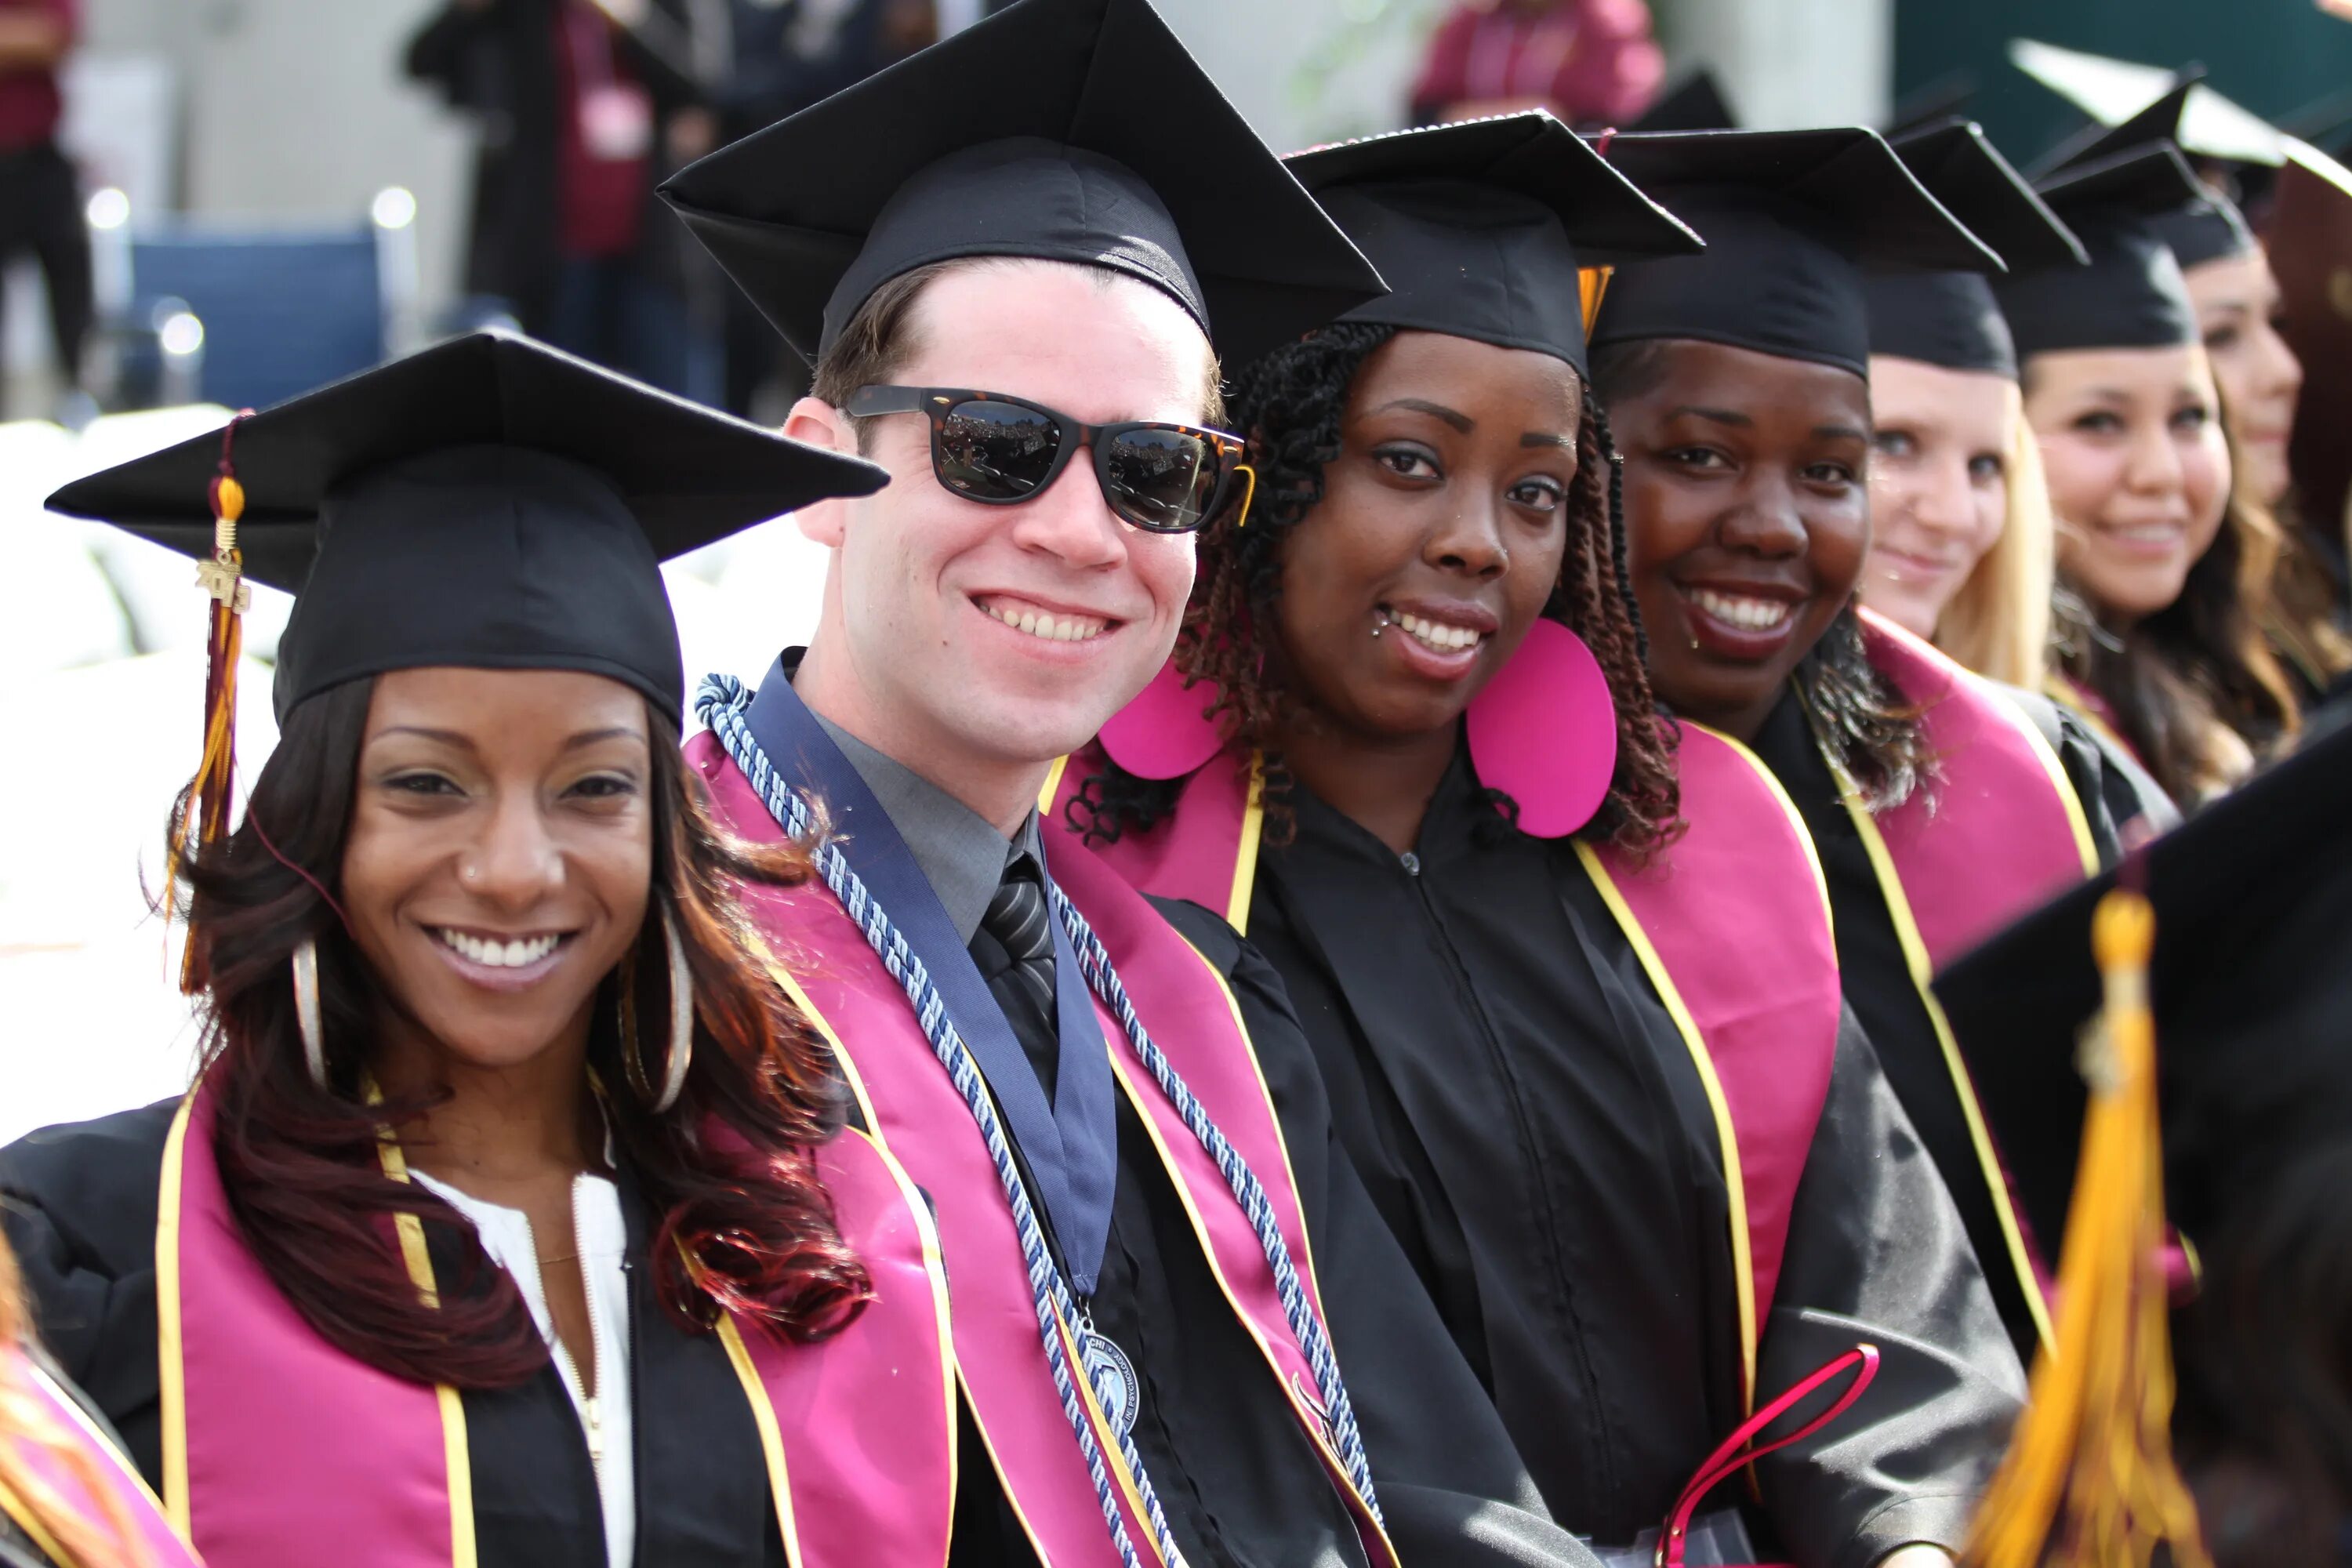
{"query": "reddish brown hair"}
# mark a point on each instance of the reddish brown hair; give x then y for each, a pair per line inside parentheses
(743, 1223)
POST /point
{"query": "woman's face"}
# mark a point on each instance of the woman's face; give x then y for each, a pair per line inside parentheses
(1939, 484)
(500, 854)
(1747, 503)
(2139, 471)
(1441, 528)
(2238, 311)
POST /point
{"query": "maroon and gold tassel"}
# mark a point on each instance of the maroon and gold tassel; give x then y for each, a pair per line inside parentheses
(223, 579)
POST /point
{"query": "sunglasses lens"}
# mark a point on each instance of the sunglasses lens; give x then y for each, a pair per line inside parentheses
(996, 451)
(1162, 480)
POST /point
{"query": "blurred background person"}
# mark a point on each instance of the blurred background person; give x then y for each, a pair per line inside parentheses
(582, 110)
(40, 204)
(1591, 62)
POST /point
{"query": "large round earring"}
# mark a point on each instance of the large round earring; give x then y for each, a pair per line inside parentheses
(681, 1055)
(681, 1017)
(306, 1010)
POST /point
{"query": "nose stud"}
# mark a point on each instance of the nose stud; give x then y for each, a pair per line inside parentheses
(468, 874)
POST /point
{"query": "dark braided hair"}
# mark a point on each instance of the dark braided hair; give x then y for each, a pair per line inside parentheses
(1862, 719)
(1291, 401)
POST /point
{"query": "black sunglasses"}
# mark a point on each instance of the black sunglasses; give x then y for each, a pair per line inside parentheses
(999, 450)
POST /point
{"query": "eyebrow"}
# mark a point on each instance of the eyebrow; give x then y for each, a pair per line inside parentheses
(465, 744)
(1837, 432)
(1453, 416)
(1719, 415)
(1543, 438)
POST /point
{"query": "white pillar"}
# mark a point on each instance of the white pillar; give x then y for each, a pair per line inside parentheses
(1788, 64)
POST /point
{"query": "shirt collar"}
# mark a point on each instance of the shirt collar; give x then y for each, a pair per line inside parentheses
(962, 854)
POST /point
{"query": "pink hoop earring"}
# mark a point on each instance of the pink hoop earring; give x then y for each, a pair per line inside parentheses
(1544, 731)
(1165, 732)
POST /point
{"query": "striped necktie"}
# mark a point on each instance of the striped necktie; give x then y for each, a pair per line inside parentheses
(1024, 983)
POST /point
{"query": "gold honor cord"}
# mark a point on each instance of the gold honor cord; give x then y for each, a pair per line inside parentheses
(2090, 1479)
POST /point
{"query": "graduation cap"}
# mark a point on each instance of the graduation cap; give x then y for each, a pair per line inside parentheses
(1481, 229)
(2252, 984)
(1951, 318)
(1073, 130)
(1947, 97)
(1789, 217)
(2132, 294)
(489, 502)
(2211, 229)
(2218, 963)
(1695, 103)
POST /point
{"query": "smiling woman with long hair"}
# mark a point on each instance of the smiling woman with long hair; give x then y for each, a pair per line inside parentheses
(1549, 950)
(511, 1218)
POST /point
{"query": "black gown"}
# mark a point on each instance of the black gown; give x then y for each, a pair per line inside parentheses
(1238, 1480)
(1877, 977)
(1531, 1125)
(80, 1209)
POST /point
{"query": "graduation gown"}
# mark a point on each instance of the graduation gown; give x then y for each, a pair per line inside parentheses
(1532, 1128)
(1240, 1481)
(81, 1205)
(1238, 1486)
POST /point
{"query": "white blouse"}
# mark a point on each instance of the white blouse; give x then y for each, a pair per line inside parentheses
(601, 1240)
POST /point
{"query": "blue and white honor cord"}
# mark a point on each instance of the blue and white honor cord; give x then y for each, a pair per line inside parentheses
(721, 704)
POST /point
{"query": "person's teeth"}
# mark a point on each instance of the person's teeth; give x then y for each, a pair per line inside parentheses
(514, 954)
(1437, 634)
(1750, 615)
(1051, 628)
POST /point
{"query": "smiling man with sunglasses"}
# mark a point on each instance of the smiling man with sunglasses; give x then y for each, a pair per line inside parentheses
(1182, 1332)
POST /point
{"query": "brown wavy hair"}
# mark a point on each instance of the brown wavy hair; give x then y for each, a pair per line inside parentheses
(1292, 403)
(2195, 688)
(744, 1225)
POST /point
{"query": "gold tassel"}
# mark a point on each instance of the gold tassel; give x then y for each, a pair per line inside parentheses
(222, 578)
(1591, 287)
(2089, 1480)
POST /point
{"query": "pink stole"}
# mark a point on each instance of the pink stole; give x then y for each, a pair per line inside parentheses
(1730, 922)
(916, 1113)
(116, 1482)
(2000, 832)
(274, 1441)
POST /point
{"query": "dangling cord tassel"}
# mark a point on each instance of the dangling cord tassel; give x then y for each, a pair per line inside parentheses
(1592, 288)
(223, 579)
(2090, 1476)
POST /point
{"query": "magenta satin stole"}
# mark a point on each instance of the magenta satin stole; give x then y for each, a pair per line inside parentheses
(2000, 831)
(140, 1508)
(1732, 927)
(918, 1114)
(275, 1441)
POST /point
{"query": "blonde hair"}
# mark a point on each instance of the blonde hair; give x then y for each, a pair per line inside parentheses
(26, 1416)
(1998, 624)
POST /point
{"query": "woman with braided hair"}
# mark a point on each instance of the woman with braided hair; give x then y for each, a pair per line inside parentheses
(1941, 806)
(1564, 964)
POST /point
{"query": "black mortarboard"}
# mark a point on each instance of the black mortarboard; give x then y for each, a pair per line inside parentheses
(1480, 229)
(1950, 319)
(489, 502)
(2132, 294)
(1064, 129)
(1788, 218)
(1947, 97)
(1695, 103)
(2252, 983)
(2207, 229)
